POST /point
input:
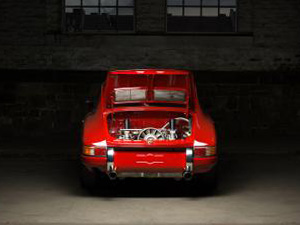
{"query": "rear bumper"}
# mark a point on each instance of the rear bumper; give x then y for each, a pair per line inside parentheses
(174, 164)
(204, 165)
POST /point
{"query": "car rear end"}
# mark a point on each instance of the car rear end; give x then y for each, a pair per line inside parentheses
(153, 162)
(150, 123)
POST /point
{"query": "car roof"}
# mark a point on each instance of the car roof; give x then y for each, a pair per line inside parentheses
(152, 71)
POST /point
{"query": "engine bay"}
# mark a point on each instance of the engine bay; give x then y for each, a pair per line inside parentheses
(149, 126)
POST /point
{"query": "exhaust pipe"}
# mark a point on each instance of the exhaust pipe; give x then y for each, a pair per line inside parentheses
(187, 175)
(112, 175)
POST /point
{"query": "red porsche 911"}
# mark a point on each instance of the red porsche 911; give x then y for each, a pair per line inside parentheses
(148, 124)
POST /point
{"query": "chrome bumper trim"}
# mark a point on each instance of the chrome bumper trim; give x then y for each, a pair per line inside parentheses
(189, 160)
(149, 175)
(110, 160)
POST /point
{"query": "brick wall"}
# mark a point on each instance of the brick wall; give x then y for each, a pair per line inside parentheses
(37, 103)
(31, 38)
(41, 101)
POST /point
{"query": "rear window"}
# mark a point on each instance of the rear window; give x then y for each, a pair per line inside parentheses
(122, 95)
(162, 88)
(167, 95)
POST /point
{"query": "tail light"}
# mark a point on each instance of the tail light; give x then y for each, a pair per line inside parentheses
(204, 151)
(94, 151)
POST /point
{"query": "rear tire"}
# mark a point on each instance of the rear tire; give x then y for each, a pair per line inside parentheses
(206, 183)
(95, 182)
(88, 179)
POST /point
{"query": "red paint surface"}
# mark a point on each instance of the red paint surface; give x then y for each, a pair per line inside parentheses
(145, 161)
(98, 127)
(151, 71)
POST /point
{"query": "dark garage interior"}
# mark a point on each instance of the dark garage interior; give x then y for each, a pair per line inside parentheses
(245, 56)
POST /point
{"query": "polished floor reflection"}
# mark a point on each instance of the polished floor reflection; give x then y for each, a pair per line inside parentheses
(254, 188)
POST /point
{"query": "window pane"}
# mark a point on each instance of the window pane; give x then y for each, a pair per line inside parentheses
(162, 95)
(209, 2)
(175, 2)
(210, 12)
(126, 11)
(227, 19)
(175, 11)
(228, 12)
(108, 2)
(89, 11)
(192, 2)
(227, 2)
(69, 10)
(122, 95)
(109, 11)
(191, 11)
(74, 19)
(92, 16)
(125, 2)
(202, 16)
(72, 2)
(90, 2)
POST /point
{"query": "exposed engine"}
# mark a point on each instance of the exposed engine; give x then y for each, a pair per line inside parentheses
(177, 128)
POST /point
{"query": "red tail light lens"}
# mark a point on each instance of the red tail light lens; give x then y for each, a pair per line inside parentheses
(94, 151)
(199, 152)
(100, 152)
(88, 150)
(204, 151)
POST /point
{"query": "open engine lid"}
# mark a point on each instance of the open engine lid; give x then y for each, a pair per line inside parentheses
(148, 86)
(151, 71)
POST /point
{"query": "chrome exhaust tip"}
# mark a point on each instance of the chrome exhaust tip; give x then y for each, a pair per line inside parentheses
(187, 175)
(112, 175)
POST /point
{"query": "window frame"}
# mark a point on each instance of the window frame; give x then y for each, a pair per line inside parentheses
(218, 33)
(116, 31)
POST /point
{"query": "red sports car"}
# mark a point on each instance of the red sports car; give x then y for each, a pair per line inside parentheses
(148, 124)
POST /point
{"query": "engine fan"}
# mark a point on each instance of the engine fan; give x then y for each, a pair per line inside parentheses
(150, 134)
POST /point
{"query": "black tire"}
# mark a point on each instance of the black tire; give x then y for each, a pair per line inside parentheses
(206, 183)
(95, 182)
(88, 179)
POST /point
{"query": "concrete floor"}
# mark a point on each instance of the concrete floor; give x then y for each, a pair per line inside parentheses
(259, 188)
